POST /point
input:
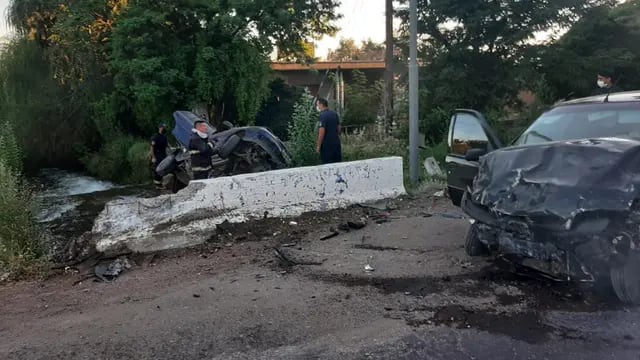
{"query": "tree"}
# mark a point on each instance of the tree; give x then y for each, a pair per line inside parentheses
(478, 52)
(348, 50)
(362, 101)
(168, 55)
(606, 37)
(277, 110)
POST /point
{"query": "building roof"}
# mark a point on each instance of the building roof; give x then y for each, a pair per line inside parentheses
(329, 65)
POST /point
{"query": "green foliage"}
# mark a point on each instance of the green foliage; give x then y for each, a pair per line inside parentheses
(363, 101)
(277, 110)
(9, 148)
(49, 121)
(476, 59)
(348, 50)
(360, 147)
(303, 132)
(123, 159)
(605, 37)
(84, 72)
(20, 248)
(138, 160)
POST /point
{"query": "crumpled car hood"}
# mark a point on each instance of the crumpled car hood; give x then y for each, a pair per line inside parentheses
(560, 179)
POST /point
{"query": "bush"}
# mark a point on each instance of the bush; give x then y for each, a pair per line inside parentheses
(360, 147)
(9, 149)
(20, 248)
(363, 101)
(123, 159)
(138, 160)
(303, 132)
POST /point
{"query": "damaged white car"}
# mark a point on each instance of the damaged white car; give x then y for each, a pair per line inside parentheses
(564, 198)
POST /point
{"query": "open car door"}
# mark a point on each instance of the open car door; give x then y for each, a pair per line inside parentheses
(470, 137)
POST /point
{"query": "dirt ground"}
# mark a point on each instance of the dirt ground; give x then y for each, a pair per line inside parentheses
(319, 287)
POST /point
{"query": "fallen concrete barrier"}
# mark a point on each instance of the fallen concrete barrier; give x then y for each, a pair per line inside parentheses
(190, 217)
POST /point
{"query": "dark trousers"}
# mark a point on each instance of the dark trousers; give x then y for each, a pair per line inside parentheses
(157, 179)
(330, 155)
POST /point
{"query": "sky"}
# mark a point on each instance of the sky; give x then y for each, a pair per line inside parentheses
(362, 19)
(3, 23)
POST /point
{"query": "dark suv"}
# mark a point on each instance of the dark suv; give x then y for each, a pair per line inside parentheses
(563, 199)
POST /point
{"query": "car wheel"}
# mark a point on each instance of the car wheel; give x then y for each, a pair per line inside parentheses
(625, 280)
(473, 246)
(228, 147)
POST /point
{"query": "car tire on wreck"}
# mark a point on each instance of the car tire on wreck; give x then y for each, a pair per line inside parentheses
(227, 148)
(625, 280)
(472, 245)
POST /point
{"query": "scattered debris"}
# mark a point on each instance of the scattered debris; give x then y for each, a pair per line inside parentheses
(290, 259)
(196, 295)
(451, 216)
(432, 168)
(439, 193)
(289, 245)
(333, 234)
(357, 224)
(109, 272)
(293, 223)
(369, 268)
(212, 288)
(4, 277)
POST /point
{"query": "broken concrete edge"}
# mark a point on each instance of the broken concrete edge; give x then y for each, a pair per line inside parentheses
(191, 217)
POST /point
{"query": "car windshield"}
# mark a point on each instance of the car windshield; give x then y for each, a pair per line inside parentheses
(584, 121)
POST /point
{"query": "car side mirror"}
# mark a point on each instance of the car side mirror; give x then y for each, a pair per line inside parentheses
(474, 154)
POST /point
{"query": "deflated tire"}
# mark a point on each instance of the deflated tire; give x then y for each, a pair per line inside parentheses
(626, 281)
(473, 246)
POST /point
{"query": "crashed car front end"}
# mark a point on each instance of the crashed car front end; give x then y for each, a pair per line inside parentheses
(567, 210)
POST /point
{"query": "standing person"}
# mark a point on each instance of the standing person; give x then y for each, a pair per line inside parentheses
(158, 152)
(328, 145)
(201, 151)
(607, 83)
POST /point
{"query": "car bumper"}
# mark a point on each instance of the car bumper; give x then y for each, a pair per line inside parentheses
(548, 249)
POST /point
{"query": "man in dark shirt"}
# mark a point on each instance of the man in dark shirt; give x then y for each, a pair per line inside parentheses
(159, 144)
(328, 145)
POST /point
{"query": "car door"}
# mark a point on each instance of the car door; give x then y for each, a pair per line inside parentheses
(470, 137)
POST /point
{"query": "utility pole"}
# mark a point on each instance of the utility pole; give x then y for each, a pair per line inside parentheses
(388, 75)
(413, 91)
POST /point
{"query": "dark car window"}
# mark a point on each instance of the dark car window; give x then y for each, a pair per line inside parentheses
(584, 121)
(468, 134)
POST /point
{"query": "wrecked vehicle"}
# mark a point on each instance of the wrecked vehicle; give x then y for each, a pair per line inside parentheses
(563, 199)
(238, 150)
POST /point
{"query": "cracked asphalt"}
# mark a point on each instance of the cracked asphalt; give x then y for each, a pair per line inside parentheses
(399, 288)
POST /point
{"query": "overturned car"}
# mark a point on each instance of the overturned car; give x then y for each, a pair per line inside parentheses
(563, 199)
(238, 150)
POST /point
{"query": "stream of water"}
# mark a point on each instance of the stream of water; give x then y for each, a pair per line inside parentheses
(70, 202)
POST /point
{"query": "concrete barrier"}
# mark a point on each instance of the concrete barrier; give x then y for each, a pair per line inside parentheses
(189, 217)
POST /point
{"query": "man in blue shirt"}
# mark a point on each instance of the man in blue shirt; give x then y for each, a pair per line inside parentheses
(328, 146)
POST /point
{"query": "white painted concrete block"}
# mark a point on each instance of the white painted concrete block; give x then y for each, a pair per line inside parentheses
(190, 217)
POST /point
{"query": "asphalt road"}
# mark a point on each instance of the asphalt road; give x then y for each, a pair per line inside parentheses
(401, 289)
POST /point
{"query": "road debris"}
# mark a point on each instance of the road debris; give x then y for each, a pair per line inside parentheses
(109, 272)
(357, 224)
(291, 258)
(333, 234)
(293, 223)
(432, 168)
(369, 268)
